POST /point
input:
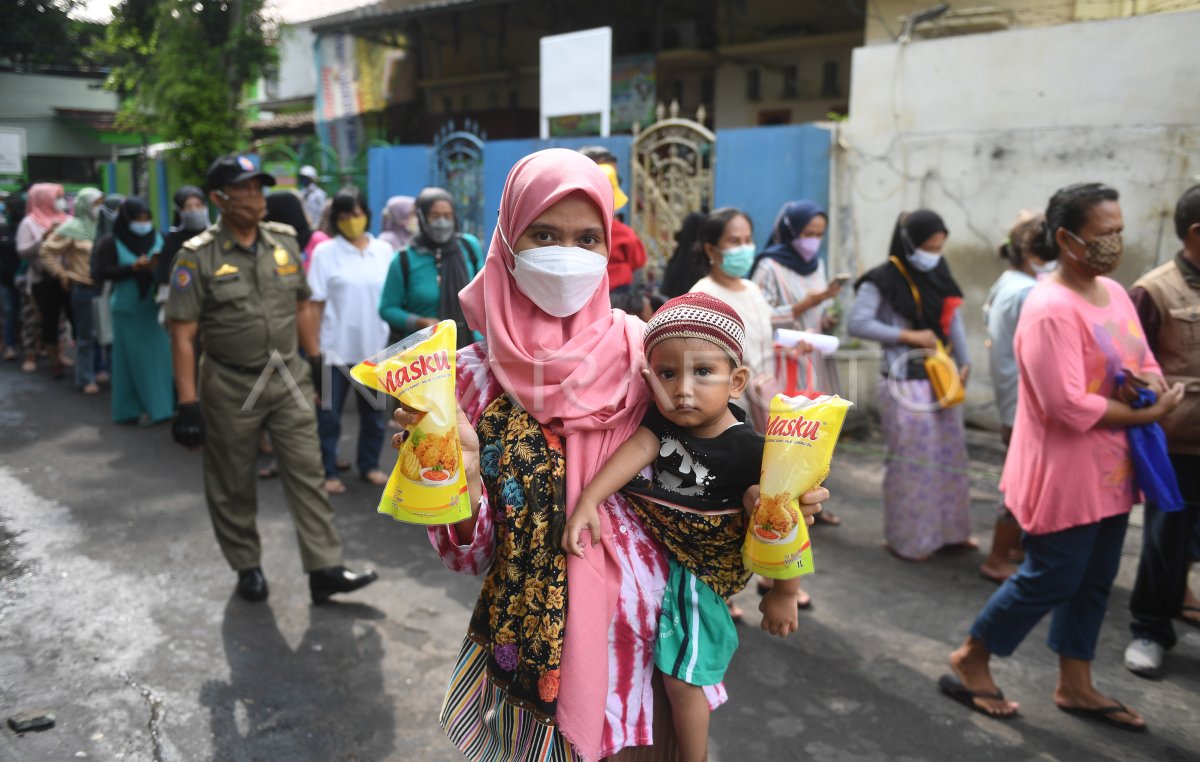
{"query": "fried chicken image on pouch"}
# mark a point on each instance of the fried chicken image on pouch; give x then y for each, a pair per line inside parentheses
(438, 450)
(776, 513)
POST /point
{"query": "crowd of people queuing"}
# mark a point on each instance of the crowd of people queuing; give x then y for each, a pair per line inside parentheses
(1066, 345)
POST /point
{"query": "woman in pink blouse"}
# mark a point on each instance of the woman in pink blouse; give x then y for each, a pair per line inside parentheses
(1068, 477)
(557, 663)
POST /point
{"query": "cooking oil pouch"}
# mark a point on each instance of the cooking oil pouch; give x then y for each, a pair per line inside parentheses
(801, 434)
(428, 485)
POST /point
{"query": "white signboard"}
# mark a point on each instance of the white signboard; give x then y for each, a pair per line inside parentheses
(576, 76)
(12, 150)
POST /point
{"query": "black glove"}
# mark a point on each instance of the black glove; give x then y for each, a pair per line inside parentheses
(318, 373)
(188, 427)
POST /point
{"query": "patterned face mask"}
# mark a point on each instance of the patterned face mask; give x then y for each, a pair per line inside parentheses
(1102, 253)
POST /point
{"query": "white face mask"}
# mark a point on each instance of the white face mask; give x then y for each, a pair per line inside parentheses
(60, 204)
(924, 260)
(560, 280)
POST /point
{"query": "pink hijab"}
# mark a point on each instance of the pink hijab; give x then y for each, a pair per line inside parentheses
(580, 376)
(41, 205)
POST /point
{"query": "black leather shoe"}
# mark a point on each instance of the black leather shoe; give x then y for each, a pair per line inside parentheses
(323, 583)
(252, 585)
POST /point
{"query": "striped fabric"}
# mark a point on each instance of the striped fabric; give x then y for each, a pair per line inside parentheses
(486, 727)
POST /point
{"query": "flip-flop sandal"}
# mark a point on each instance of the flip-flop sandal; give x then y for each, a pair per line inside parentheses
(1105, 715)
(269, 472)
(953, 687)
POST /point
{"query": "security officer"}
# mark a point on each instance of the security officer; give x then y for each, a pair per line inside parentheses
(239, 286)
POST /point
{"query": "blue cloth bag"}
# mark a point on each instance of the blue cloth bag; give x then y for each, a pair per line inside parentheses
(1152, 466)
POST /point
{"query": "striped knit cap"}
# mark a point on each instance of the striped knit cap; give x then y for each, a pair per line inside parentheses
(697, 316)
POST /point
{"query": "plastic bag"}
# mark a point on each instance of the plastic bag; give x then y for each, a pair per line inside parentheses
(1151, 463)
(801, 435)
(427, 485)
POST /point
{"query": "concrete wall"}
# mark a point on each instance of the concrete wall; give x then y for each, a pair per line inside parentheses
(978, 127)
(885, 21)
(29, 100)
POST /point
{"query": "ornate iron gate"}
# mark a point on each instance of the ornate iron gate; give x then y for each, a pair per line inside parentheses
(458, 167)
(672, 167)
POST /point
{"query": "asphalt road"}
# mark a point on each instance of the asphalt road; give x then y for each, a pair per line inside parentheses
(117, 614)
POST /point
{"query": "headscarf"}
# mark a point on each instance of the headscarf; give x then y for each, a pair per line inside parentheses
(792, 218)
(83, 225)
(180, 198)
(108, 214)
(686, 265)
(286, 207)
(449, 259)
(394, 230)
(132, 208)
(580, 376)
(940, 295)
(41, 205)
(139, 245)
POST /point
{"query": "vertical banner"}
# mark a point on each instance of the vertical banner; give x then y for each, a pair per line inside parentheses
(355, 77)
(634, 91)
(337, 96)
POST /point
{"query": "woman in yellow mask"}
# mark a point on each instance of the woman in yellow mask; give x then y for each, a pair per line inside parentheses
(346, 278)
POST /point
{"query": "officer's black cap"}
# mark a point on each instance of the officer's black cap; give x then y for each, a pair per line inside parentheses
(234, 169)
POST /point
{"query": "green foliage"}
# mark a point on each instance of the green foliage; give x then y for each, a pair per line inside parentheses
(183, 67)
(40, 33)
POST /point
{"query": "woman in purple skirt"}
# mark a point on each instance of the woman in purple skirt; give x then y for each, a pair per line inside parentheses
(926, 492)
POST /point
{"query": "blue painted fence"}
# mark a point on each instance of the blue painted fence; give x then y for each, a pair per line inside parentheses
(758, 169)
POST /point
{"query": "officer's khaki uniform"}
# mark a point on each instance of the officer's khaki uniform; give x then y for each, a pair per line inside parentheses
(251, 378)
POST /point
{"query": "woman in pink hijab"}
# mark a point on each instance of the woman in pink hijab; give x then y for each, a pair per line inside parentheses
(551, 392)
(43, 298)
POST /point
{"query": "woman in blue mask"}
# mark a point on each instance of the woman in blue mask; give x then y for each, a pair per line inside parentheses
(143, 385)
(926, 492)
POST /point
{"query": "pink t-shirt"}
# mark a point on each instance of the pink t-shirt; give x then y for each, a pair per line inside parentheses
(1063, 470)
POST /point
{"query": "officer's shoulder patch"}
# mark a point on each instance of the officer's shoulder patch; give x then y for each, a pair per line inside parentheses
(280, 227)
(195, 242)
(183, 277)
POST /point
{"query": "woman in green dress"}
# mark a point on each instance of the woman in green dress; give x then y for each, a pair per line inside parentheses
(143, 388)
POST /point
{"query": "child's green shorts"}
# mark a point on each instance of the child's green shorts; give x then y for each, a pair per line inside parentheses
(696, 636)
